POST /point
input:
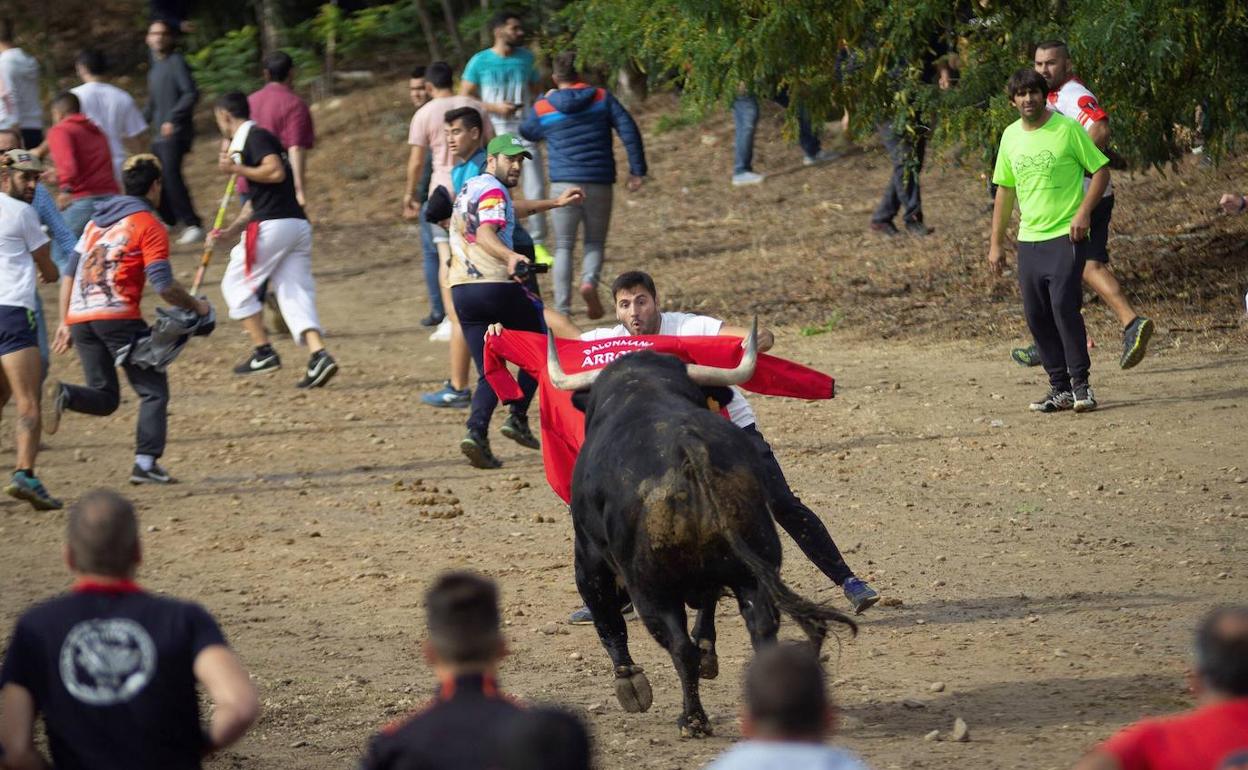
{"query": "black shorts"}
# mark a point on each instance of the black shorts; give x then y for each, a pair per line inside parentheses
(1098, 236)
(17, 329)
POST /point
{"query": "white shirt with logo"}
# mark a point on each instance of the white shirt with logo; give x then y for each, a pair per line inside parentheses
(20, 235)
(688, 325)
(1075, 100)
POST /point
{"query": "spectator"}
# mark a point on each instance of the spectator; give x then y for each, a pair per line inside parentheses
(123, 247)
(427, 137)
(418, 92)
(576, 121)
(459, 729)
(504, 76)
(110, 108)
(788, 716)
(545, 739)
(279, 110)
(745, 122)
(112, 668)
(1214, 736)
(20, 105)
(171, 98)
(84, 164)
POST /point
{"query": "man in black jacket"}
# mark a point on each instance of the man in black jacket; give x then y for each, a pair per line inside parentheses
(170, 106)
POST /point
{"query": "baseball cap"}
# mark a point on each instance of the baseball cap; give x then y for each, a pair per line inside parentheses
(21, 160)
(507, 144)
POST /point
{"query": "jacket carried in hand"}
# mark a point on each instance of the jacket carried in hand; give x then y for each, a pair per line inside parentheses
(576, 123)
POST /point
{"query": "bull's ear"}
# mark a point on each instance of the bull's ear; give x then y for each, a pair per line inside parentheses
(719, 394)
(580, 400)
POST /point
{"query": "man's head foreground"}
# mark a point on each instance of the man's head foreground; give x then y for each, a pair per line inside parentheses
(461, 611)
(1052, 62)
(637, 302)
(19, 174)
(1222, 652)
(1028, 92)
(463, 131)
(141, 177)
(64, 104)
(786, 696)
(565, 69)
(278, 67)
(508, 28)
(506, 156)
(231, 110)
(102, 535)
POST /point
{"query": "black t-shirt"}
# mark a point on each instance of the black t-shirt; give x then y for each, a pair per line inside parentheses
(111, 670)
(456, 732)
(270, 201)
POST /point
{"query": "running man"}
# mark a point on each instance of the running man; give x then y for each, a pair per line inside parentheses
(1070, 97)
(1041, 162)
(275, 251)
(24, 251)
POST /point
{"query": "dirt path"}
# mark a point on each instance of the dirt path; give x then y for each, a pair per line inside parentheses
(1050, 568)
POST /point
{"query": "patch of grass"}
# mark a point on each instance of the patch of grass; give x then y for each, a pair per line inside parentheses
(833, 321)
(688, 116)
(1027, 507)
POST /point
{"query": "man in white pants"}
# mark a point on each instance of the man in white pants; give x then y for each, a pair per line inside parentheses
(275, 252)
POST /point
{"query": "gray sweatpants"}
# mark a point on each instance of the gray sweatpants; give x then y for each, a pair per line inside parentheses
(595, 212)
(1050, 275)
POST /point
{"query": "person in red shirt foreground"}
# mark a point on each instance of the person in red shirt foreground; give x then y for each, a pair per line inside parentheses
(1213, 736)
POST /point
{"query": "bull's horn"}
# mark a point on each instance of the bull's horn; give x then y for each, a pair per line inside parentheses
(554, 370)
(711, 376)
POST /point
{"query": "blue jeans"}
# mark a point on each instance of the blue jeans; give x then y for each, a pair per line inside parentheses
(76, 216)
(430, 253)
(745, 121)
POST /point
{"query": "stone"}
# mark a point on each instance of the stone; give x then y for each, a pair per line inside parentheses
(936, 687)
(934, 735)
(961, 733)
(911, 703)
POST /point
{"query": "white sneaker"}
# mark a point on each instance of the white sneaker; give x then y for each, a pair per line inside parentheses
(442, 333)
(743, 178)
(824, 156)
(192, 234)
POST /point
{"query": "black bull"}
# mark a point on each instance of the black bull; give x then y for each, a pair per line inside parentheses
(670, 505)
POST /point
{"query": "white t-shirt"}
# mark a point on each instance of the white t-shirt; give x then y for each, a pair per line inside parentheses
(1075, 100)
(115, 112)
(688, 325)
(20, 234)
(779, 755)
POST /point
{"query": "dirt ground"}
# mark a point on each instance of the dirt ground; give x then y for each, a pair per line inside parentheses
(1048, 570)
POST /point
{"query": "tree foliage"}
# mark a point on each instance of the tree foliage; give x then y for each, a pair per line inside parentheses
(1152, 63)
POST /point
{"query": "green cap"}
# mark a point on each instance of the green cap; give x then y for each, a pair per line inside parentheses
(507, 144)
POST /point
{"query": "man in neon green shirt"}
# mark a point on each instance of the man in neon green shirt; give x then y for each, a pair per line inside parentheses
(1041, 163)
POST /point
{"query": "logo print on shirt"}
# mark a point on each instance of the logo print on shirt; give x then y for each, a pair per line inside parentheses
(106, 662)
(1034, 171)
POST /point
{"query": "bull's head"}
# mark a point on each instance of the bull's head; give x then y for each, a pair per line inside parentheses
(706, 376)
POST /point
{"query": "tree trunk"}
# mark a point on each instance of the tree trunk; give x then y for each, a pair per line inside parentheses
(270, 21)
(426, 26)
(331, 46)
(631, 85)
(487, 34)
(452, 27)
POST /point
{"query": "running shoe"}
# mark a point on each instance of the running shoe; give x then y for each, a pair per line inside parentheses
(1084, 400)
(321, 369)
(262, 359)
(1054, 401)
(1135, 341)
(156, 475)
(23, 486)
(1028, 356)
(443, 332)
(192, 234)
(744, 178)
(542, 255)
(54, 400)
(860, 595)
(448, 396)
(823, 156)
(516, 428)
(476, 447)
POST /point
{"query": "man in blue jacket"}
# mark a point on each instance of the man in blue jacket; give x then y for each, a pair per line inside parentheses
(576, 120)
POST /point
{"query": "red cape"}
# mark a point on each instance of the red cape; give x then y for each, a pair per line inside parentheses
(563, 425)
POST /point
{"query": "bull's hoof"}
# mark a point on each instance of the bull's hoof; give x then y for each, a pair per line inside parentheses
(708, 668)
(632, 689)
(694, 726)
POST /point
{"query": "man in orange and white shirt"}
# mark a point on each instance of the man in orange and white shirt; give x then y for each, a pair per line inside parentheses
(123, 247)
(1070, 97)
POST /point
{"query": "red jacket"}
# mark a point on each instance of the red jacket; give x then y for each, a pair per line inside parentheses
(80, 153)
(563, 425)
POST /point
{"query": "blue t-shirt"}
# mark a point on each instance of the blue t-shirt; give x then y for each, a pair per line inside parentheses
(462, 172)
(504, 79)
(112, 672)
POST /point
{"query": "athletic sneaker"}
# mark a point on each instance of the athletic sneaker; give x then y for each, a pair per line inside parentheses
(1054, 401)
(1028, 356)
(860, 595)
(1135, 341)
(192, 234)
(583, 617)
(321, 369)
(157, 475)
(542, 255)
(476, 447)
(443, 332)
(23, 486)
(54, 400)
(448, 396)
(823, 156)
(1085, 401)
(262, 359)
(593, 305)
(743, 178)
(516, 428)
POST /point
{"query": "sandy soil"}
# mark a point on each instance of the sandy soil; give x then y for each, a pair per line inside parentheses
(1047, 569)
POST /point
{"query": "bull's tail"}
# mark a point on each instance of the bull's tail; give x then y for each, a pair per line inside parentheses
(813, 617)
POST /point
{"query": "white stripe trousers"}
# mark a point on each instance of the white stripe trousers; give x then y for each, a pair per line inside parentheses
(284, 260)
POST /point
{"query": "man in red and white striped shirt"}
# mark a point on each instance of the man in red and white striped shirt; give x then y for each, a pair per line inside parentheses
(1070, 97)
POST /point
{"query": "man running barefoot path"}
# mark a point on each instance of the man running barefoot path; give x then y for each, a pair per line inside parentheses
(23, 252)
(276, 247)
(1070, 97)
(1041, 162)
